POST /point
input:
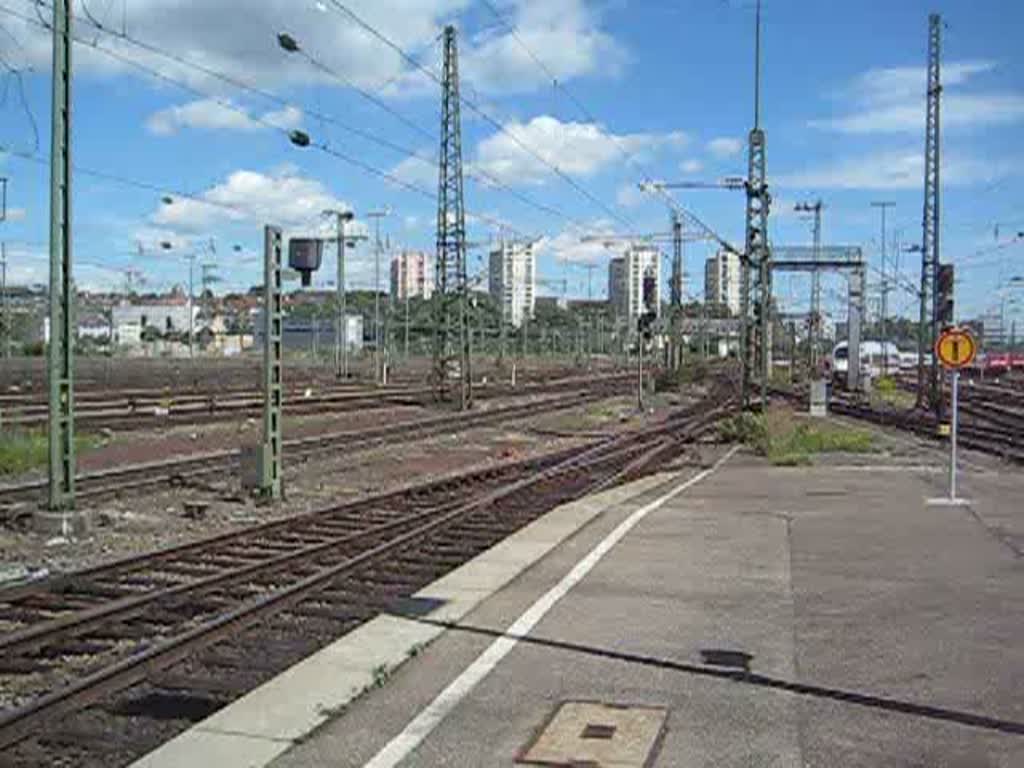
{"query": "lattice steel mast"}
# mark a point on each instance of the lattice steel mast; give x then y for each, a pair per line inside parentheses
(755, 342)
(676, 291)
(451, 333)
(930, 221)
(62, 338)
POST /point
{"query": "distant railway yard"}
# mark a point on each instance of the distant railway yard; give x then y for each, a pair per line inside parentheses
(552, 425)
(149, 618)
(180, 576)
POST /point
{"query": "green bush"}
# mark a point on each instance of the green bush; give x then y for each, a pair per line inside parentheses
(751, 429)
(885, 385)
(787, 443)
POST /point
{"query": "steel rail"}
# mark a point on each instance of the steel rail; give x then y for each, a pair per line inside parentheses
(26, 720)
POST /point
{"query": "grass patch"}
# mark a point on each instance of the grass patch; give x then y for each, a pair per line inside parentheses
(21, 451)
(888, 393)
(789, 442)
(751, 429)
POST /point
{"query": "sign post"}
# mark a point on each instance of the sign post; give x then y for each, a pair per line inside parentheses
(955, 349)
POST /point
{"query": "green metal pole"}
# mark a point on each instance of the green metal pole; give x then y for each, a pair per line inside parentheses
(5, 327)
(61, 349)
(272, 369)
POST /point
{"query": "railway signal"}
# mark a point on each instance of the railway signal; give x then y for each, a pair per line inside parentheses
(944, 297)
(955, 349)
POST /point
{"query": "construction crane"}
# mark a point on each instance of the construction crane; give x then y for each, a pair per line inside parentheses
(729, 182)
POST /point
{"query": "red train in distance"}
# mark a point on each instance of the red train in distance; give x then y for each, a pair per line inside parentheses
(997, 363)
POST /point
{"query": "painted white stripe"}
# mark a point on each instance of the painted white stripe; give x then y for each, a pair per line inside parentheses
(426, 721)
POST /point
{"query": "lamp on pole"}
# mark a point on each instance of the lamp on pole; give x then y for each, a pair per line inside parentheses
(885, 288)
(205, 247)
(814, 208)
(377, 216)
(340, 317)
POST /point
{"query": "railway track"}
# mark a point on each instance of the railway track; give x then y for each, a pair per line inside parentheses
(148, 409)
(136, 477)
(1005, 441)
(133, 413)
(103, 665)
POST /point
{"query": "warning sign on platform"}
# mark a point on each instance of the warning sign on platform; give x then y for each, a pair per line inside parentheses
(956, 348)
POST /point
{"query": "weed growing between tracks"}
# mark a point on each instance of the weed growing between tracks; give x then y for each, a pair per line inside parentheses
(887, 392)
(21, 451)
(788, 442)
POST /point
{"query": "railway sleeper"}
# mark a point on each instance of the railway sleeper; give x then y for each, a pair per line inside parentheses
(71, 647)
(220, 686)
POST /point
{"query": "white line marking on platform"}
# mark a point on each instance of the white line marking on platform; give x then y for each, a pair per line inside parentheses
(402, 745)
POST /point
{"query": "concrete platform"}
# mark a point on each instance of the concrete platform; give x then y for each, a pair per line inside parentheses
(748, 616)
(263, 724)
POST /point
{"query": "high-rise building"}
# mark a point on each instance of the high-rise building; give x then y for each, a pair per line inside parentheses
(722, 281)
(617, 285)
(634, 281)
(513, 281)
(412, 275)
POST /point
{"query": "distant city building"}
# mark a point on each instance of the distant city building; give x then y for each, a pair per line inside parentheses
(513, 281)
(412, 276)
(313, 332)
(634, 277)
(617, 285)
(129, 321)
(722, 281)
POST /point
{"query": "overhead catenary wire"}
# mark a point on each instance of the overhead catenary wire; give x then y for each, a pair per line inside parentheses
(480, 112)
(630, 157)
(482, 177)
(212, 73)
(320, 146)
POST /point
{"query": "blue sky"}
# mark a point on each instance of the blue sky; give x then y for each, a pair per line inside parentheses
(669, 83)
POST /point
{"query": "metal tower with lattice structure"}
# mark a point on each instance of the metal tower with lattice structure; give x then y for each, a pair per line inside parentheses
(60, 350)
(755, 281)
(930, 221)
(676, 293)
(451, 337)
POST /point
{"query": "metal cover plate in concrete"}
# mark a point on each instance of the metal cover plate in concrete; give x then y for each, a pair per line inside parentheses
(596, 734)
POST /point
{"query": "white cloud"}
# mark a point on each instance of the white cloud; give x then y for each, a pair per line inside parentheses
(958, 110)
(576, 149)
(16, 214)
(725, 146)
(211, 114)
(885, 85)
(892, 100)
(629, 196)
(29, 265)
(564, 35)
(567, 35)
(567, 245)
(691, 166)
(285, 118)
(890, 170)
(416, 170)
(285, 198)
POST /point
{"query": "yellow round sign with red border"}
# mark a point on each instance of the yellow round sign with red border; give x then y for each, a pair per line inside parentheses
(956, 348)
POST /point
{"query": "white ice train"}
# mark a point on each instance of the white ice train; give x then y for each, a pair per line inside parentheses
(871, 360)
